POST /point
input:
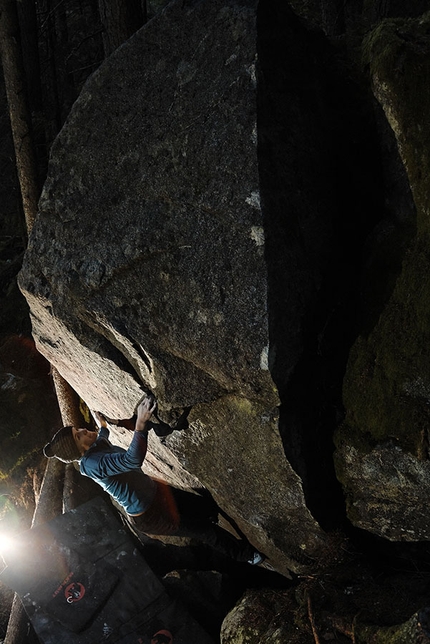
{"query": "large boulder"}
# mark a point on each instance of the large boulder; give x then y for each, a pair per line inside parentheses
(265, 615)
(382, 455)
(148, 267)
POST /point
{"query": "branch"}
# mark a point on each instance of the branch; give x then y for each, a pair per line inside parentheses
(312, 620)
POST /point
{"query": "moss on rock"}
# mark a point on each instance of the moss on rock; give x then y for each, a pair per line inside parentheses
(387, 383)
(414, 630)
(397, 53)
(264, 616)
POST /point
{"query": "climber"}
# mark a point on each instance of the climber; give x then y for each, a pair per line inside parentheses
(152, 507)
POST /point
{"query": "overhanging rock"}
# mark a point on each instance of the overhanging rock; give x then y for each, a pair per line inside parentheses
(146, 268)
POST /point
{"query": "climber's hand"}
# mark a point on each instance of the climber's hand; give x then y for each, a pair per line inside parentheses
(99, 418)
(144, 413)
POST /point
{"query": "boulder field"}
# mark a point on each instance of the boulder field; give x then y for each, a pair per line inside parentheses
(236, 218)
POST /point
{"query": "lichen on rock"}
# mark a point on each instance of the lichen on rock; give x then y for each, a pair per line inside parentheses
(263, 616)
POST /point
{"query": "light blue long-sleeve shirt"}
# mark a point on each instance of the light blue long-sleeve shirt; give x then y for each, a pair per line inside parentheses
(119, 472)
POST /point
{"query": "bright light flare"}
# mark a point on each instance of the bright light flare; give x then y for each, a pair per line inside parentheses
(7, 543)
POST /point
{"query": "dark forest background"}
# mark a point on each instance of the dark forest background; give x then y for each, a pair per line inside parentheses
(58, 44)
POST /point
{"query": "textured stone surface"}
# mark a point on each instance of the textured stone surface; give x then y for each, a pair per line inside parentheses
(146, 267)
(163, 227)
(388, 491)
(263, 616)
(382, 455)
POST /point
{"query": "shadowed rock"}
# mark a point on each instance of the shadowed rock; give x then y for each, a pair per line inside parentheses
(382, 453)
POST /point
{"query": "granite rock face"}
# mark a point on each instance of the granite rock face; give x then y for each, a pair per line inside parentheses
(147, 267)
(382, 447)
(263, 616)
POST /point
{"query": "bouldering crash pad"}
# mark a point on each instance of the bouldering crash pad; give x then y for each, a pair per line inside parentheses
(82, 580)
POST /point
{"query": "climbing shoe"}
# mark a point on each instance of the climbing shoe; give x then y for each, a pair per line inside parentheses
(182, 422)
(256, 558)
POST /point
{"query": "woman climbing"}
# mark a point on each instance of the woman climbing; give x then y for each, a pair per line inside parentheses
(152, 506)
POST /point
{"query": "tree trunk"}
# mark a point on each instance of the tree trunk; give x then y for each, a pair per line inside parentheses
(19, 113)
(54, 494)
(49, 71)
(50, 498)
(19, 629)
(120, 19)
(30, 52)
